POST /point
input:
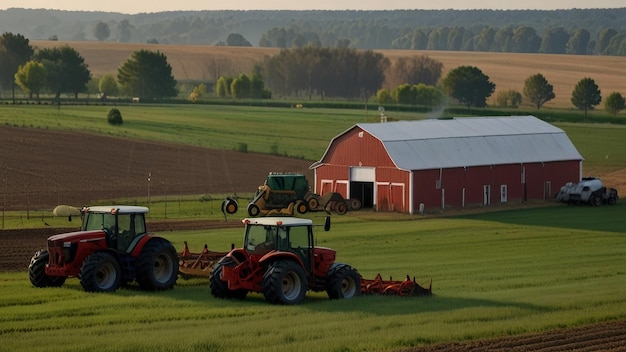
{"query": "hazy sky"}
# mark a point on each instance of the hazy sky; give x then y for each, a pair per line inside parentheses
(137, 6)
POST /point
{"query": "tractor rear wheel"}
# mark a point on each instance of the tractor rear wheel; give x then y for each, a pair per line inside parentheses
(37, 271)
(284, 282)
(313, 203)
(219, 288)
(341, 208)
(157, 265)
(343, 281)
(100, 272)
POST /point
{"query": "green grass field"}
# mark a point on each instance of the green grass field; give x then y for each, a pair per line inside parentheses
(300, 133)
(493, 274)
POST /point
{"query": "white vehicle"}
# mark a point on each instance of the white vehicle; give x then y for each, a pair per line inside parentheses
(589, 190)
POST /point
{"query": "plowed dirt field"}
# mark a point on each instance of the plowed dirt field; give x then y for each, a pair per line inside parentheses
(41, 168)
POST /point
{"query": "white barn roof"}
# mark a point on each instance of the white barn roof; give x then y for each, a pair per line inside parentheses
(459, 142)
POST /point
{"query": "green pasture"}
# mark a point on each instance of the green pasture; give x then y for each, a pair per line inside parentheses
(494, 274)
(300, 133)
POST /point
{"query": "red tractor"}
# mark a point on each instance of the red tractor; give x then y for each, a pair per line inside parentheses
(112, 247)
(280, 260)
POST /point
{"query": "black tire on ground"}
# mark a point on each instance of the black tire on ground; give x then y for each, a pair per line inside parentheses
(301, 207)
(100, 272)
(313, 203)
(341, 208)
(343, 281)
(157, 265)
(37, 271)
(219, 288)
(253, 210)
(284, 282)
(596, 199)
(355, 204)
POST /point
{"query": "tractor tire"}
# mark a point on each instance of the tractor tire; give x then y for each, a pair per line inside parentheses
(355, 204)
(313, 203)
(341, 208)
(100, 272)
(230, 206)
(219, 288)
(157, 265)
(301, 207)
(343, 281)
(37, 271)
(284, 282)
(596, 199)
(253, 210)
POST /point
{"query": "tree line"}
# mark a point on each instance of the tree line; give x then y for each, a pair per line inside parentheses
(339, 73)
(477, 30)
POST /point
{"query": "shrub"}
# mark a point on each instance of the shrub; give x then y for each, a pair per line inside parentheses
(115, 117)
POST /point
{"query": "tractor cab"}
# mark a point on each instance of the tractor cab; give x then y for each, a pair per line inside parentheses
(122, 225)
(280, 234)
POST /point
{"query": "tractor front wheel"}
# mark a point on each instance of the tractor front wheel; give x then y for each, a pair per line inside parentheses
(343, 281)
(284, 282)
(100, 273)
(157, 265)
(219, 288)
(301, 207)
(37, 271)
(253, 210)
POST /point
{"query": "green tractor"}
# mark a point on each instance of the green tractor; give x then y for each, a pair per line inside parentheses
(287, 193)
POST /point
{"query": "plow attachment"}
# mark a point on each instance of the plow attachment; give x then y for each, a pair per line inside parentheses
(390, 287)
(198, 264)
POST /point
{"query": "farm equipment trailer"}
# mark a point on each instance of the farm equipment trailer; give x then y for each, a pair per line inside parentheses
(279, 260)
(288, 193)
(112, 247)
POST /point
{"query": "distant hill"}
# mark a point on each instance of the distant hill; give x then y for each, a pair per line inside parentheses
(361, 29)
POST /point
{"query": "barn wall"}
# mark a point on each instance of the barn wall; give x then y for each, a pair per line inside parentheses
(358, 148)
(438, 188)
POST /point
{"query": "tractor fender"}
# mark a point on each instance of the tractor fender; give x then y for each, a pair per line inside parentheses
(277, 255)
(138, 243)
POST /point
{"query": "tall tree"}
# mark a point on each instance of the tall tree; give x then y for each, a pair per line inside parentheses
(469, 85)
(615, 103)
(31, 78)
(554, 41)
(108, 86)
(66, 70)
(538, 90)
(148, 75)
(578, 42)
(586, 95)
(15, 51)
(526, 40)
(101, 31)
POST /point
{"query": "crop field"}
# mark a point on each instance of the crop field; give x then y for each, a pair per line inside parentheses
(494, 275)
(506, 70)
(499, 275)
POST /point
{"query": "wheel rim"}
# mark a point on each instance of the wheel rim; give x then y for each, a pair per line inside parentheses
(291, 286)
(163, 267)
(106, 276)
(348, 287)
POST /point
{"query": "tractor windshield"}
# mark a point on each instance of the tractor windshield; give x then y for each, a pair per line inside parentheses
(261, 238)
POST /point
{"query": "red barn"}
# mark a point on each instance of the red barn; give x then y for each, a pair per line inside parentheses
(409, 166)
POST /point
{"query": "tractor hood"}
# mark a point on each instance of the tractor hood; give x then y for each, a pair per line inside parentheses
(78, 236)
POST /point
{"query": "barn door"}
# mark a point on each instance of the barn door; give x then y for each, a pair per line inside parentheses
(503, 194)
(486, 194)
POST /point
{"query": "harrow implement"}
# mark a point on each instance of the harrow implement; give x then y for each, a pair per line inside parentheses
(391, 287)
(198, 264)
